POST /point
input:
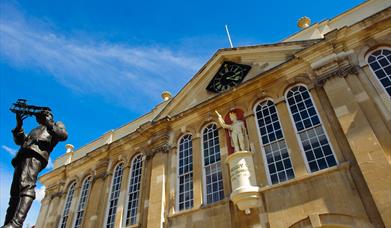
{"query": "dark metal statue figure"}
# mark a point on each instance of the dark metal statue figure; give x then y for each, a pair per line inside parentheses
(31, 158)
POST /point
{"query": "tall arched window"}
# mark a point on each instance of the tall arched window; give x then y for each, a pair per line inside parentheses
(214, 190)
(82, 202)
(314, 141)
(380, 63)
(114, 195)
(276, 154)
(67, 206)
(136, 172)
(185, 173)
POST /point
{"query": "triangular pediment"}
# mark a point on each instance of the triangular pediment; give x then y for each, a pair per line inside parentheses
(261, 58)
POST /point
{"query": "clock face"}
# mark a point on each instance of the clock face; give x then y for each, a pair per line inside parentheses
(229, 75)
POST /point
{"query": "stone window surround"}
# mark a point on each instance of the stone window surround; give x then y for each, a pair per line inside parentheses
(67, 205)
(261, 143)
(369, 53)
(203, 164)
(143, 157)
(177, 206)
(297, 133)
(86, 196)
(111, 189)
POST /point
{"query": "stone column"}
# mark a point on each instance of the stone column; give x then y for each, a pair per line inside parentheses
(365, 146)
(157, 195)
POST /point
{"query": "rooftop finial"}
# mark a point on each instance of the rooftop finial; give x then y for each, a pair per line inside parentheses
(304, 22)
(69, 148)
(166, 95)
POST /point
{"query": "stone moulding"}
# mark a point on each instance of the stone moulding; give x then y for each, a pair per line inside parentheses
(165, 148)
(339, 72)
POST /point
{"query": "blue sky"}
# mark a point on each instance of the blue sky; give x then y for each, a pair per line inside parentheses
(100, 64)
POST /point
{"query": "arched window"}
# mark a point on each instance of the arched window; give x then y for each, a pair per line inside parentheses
(82, 202)
(214, 190)
(68, 202)
(185, 173)
(314, 141)
(380, 63)
(276, 154)
(114, 195)
(136, 172)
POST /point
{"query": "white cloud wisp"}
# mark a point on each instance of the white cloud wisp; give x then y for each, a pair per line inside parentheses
(9, 150)
(123, 73)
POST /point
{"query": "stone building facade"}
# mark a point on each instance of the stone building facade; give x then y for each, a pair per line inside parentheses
(317, 108)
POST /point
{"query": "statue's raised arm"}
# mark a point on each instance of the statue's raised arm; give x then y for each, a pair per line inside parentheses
(222, 122)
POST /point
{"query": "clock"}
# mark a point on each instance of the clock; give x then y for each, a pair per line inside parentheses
(229, 75)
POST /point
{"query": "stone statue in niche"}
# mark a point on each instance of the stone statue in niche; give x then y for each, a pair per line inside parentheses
(237, 131)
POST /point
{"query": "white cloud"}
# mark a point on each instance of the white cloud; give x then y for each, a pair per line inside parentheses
(128, 74)
(40, 193)
(9, 150)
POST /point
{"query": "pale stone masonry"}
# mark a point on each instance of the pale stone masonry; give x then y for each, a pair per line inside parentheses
(330, 61)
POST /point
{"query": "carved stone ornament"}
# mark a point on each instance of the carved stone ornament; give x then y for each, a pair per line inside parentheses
(339, 72)
(165, 148)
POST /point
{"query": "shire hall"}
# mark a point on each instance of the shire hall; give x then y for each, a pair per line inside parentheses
(289, 134)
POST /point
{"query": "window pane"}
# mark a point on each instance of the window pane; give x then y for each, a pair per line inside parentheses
(380, 63)
(213, 177)
(185, 172)
(82, 202)
(115, 190)
(134, 189)
(273, 142)
(67, 206)
(312, 136)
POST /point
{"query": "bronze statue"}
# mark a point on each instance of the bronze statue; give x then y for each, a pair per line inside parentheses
(32, 157)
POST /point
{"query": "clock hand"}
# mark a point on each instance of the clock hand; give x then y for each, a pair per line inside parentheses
(234, 77)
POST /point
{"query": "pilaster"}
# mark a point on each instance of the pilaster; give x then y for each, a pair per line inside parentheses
(365, 145)
(197, 171)
(255, 147)
(58, 207)
(291, 139)
(224, 165)
(43, 212)
(157, 195)
(97, 201)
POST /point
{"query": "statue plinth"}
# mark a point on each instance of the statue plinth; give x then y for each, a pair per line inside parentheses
(245, 192)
